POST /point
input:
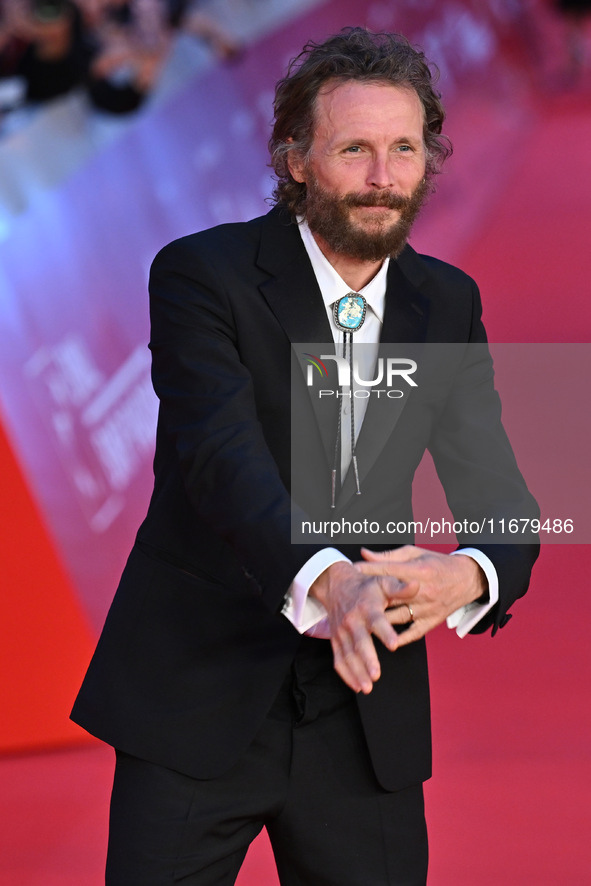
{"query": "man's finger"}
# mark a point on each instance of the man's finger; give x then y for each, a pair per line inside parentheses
(359, 671)
(401, 614)
(393, 590)
(381, 627)
(416, 631)
(407, 572)
(349, 675)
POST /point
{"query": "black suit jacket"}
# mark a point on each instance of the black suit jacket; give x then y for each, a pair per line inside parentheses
(194, 648)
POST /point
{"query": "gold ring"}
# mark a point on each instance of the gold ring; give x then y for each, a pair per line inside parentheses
(410, 612)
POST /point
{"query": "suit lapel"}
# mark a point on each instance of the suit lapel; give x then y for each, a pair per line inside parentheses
(291, 290)
(406, 315)
(293, 295)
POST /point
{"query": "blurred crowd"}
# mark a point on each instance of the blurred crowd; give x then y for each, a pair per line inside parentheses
(114, 49)
(576, 15)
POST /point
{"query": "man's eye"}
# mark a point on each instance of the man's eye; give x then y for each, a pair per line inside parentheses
(352, 149)
(404, 148)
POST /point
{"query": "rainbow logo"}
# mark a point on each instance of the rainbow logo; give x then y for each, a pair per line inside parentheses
(315, 362)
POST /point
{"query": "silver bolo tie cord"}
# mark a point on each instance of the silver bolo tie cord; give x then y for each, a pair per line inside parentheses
(349, 315)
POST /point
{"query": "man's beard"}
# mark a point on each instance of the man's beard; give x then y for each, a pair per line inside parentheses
(328, 216)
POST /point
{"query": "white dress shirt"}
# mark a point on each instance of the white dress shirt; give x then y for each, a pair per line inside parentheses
(304, 611)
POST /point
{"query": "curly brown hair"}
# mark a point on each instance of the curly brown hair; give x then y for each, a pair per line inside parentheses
(354, 54)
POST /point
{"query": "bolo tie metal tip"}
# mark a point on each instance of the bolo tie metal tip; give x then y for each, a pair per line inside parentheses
(357, 484)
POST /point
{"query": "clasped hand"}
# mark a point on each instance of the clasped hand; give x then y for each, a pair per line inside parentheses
(406, 586)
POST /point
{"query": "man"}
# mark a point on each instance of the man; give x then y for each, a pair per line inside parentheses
(225, 718)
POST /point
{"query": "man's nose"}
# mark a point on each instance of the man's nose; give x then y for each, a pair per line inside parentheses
(380, 172)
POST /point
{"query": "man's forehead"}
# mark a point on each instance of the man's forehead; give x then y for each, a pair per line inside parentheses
(337, 98)
(341, 90)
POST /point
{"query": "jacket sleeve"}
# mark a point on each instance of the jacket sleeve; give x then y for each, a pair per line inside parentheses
(208, 411)
(479, 473)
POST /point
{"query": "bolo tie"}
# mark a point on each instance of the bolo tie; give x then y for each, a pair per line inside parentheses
(349, 315)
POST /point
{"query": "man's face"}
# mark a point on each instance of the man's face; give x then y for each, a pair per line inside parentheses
(365, 173)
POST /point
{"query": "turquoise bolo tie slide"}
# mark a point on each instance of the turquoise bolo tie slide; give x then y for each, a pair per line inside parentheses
(349, 315)
(349, 312)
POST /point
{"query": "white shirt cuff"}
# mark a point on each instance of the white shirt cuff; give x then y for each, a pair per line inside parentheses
(465, 618)
(302, 610)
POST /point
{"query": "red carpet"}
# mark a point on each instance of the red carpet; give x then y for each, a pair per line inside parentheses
(512, 721)
(508, 805)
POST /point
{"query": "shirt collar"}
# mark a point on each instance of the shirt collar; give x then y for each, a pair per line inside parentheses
(332, 286)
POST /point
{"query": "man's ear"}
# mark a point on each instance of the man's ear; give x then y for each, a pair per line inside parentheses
(296, 164)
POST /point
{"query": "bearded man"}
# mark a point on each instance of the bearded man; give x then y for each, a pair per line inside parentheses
(244, 680)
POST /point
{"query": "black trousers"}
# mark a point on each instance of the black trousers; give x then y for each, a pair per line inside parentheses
(306, 777)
